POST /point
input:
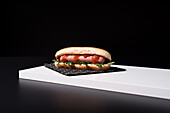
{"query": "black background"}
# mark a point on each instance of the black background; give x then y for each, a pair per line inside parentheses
(135, 33)
(123, 28)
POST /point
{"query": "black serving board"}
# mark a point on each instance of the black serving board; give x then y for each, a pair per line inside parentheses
(75, 72)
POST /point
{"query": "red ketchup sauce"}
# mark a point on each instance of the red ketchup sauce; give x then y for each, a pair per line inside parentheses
(63, 58)
(85, 56)
(94, 58)
(76, 57)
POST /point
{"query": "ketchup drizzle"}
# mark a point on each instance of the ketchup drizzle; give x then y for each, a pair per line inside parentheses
(85, 56)
(63, 58)
(94, 59)
(76, 57)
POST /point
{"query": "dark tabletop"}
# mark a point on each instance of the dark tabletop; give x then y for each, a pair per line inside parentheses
(26, 96)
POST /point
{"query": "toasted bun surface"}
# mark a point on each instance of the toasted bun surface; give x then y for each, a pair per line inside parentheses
(83, 66)
(83, 50)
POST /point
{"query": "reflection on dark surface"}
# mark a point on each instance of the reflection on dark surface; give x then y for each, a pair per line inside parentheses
(25, 96)
(48, 97)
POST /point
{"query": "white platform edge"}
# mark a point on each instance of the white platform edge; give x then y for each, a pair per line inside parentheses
(116, 87)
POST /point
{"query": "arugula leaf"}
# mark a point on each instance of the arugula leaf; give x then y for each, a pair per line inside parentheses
(111, 63)
(66, 62)
(88, 62)
(69, 62)
(82, 62)
(78, 62)
(54, 60)
(99, 65)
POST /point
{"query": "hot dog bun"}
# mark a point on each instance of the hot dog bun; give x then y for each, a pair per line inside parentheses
(83, 66)
(83, 50)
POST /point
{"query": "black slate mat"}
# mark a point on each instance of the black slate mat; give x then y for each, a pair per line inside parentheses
(75, 72)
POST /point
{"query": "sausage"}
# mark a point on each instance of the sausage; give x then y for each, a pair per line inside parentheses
(90, 58)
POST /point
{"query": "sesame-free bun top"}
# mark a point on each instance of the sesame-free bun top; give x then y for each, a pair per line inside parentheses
(83, 50)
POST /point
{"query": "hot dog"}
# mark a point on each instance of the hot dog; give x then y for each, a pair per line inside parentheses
(84, 58)
(91, 58)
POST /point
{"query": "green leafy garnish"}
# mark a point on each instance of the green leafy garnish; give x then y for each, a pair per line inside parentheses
(78, 62)
(111, 63)
(99, 65)
(54, 60)
(88, 62)
(57, 61)
(69, 63)
(83, 62)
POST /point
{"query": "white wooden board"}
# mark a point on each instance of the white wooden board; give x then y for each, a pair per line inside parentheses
(151, 82)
